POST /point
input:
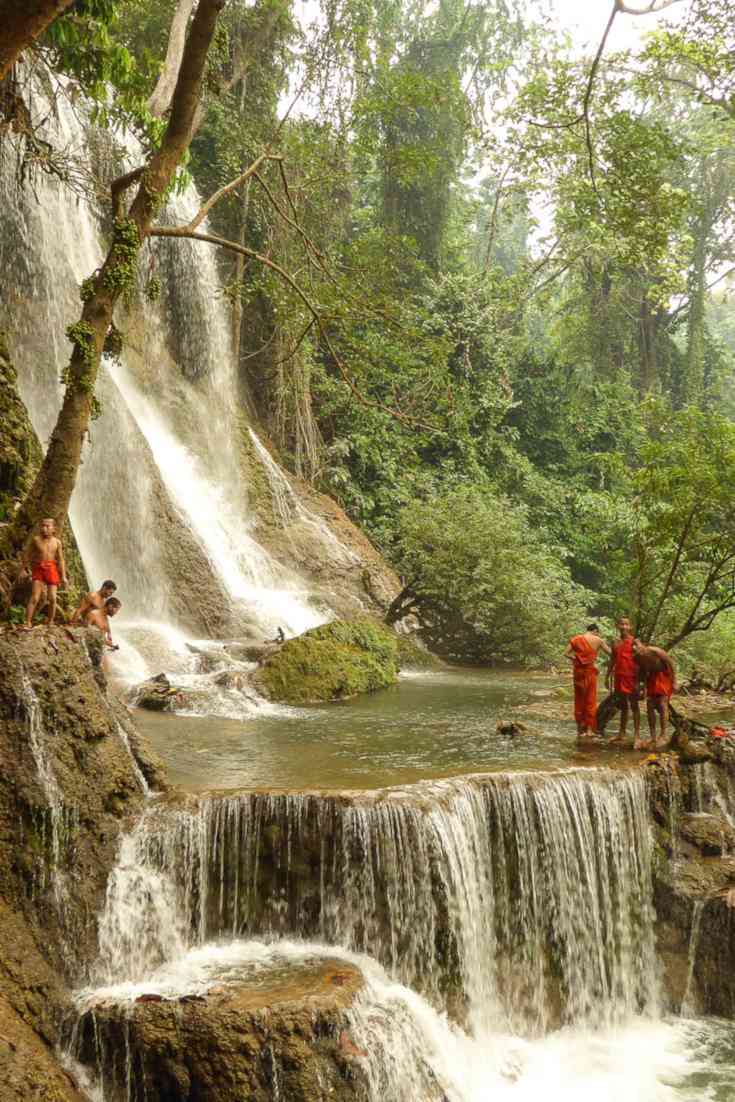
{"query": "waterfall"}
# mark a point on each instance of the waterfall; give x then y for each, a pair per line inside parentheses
(289, 510)
(161, 493)
(518, 902)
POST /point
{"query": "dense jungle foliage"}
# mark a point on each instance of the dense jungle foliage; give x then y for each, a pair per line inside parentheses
(481, 294)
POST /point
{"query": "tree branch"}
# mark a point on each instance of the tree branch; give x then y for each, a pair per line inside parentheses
(160, 98)
(233, 246)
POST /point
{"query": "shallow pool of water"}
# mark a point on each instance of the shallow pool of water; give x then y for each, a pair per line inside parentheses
(428, 725)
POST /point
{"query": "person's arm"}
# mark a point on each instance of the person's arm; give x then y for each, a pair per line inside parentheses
(672, 670)
(610, 667)
(25, 555)
(84, 607)
(62, 563)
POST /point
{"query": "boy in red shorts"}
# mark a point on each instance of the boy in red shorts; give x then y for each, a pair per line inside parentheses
(44, 555)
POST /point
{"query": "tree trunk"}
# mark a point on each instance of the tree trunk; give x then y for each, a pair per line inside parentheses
(164, 90)
(21, 23)
(50, 494)
(647, 345)
(693, 382)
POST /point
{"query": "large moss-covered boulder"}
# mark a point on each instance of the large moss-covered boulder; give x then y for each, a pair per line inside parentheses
(332, 662)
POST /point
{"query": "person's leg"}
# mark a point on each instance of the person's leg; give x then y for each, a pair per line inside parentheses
(623, 715)
(636, 709)
(664, 714)
(51, 606)
(36, 591)
(654, 711)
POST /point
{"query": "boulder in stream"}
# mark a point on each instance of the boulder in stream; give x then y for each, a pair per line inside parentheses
(285, 1036)
(336, 661)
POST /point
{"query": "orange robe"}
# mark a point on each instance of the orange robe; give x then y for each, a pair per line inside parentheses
(585, 682)
(660, 683)
(625, 667)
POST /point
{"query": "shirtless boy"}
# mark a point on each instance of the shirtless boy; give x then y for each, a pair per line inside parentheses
(583, 650)
(100, 618)
(660, 675)
(45, 557)
(93, 600)
(623, 675)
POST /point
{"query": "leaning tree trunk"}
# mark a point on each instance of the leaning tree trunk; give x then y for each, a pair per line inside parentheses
(50, 494)
(21, 23)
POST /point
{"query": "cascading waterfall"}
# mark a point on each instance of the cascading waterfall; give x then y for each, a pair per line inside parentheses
(60, 820)
(288, 507)
(516, 902)
(186, 510)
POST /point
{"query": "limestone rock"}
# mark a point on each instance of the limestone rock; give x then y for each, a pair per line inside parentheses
(288, 1037)
(709, 833)
(332, 662)
(510, 728)
(68, 787)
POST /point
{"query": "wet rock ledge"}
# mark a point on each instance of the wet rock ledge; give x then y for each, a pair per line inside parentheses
(68, 786)
(285, 1037)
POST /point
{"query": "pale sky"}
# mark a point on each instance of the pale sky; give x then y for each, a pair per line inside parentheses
(586, 21)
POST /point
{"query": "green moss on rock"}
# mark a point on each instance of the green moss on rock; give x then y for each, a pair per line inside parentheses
(331, 662)
(412, 656)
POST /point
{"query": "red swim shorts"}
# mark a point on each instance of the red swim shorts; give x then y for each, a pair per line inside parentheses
(46, 572)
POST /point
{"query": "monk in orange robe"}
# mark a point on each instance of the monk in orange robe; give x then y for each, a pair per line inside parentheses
(583, 650)
(623, 676)
(660, 674)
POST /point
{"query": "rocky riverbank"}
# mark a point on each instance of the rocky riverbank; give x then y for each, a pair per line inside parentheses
(74, 780)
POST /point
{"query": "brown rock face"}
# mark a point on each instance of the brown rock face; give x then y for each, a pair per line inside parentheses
(286, 1037)
(68, 786)
(693, 877)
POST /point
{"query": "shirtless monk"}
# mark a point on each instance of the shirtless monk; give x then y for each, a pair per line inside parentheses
(93, 600)
(623, 675)
(660, 675)
(583, 650)
(100, 618)
(45, 557)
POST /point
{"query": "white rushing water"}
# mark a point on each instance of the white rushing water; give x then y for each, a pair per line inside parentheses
(161, 488)
(511, 917)
(481, 869)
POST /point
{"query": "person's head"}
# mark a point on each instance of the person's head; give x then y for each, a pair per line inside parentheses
(624, 627)
(112, 606)
(47, 527)
(107, 588)
(593, 628)
(639, 647)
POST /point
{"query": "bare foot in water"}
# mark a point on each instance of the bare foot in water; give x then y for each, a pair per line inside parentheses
(641, 745)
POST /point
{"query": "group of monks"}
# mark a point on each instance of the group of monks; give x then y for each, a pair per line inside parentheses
(632, 668)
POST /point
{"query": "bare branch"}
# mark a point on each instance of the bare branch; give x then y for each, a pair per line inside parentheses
(227, 189)
(160, 98)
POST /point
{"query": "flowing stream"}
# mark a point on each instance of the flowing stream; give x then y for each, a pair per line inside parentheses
(503, 927)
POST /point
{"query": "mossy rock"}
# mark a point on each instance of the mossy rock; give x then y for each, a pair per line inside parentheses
(412, 656)
(333, 662)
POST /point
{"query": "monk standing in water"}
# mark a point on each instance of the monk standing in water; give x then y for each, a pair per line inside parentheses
(583, 650)
(658, 670)
(623, 676)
